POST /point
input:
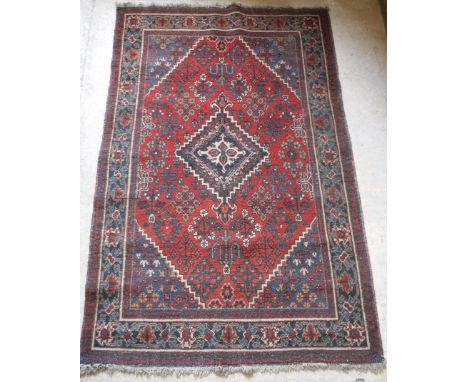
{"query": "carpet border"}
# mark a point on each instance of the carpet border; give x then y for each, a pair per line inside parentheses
(376, 361)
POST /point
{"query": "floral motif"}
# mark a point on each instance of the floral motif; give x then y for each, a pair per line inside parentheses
(342, 234)
(112, 237)
(204, 228)
(104, 333)
(229, 335)
(262, 202)
(270, 335)
(311, 332)
(146, 335)
(186, 337)
(355, 333)
(239, 87)
(185, 202)
(293, 155)
(245, 228)
(202, 88)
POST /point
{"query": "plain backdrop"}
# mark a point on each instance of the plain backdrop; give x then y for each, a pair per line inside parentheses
(427, 182)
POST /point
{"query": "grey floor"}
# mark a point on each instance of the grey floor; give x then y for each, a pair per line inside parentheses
(360, 42)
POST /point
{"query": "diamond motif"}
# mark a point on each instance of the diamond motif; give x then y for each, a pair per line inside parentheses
(221, 154)
(205, 278)
(248, 278)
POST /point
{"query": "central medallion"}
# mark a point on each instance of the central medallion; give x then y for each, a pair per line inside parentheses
(223, 151)
(222, 156)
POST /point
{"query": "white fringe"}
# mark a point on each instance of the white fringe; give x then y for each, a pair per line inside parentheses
(247, 370)
(271, 4)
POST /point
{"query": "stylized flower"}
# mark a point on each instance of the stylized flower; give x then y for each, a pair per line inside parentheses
(221, 46)
(185, 202)
(312, 59)
(215, 304)
(104, 333)
(239, 304)
(133, 22)
(319, 91)
(229, 335)
(110, 308)
(125, 121)
(329, 156)
(126, 333)
(112, 283)
(221, 22)
(331, 333)
(344, 282)
(343, 256)
(162, 21)
(203, 228)
(227, 292)
(239, 87)
(202, 88)
(270, 335)
(250, 22)
(116, 214)
(311, 23)
(311, 332)
(278, 23)
(132, 54)
(355, 334)
(126, 86)
(292, 153)
(262, 202)
(112, 236)
(148, 299)
(246, 227)
(331, 174)
(334, 212)
(342, 234)
(118, 155)
(189, 21)
(146, 334)
(320, 122)
(186, 336)
(323, 138)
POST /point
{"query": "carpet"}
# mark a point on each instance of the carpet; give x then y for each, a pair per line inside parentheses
(227, 228)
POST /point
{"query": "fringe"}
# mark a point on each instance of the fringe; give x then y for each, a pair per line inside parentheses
(247, 370)
(258, 4)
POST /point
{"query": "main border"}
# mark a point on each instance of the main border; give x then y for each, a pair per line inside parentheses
(187, 359)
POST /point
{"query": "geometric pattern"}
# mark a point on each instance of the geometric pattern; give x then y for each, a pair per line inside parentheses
(227, 227)
(222, 155)
(218, 157)
(225, 152)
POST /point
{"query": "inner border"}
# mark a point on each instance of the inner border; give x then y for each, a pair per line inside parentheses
(329, 313)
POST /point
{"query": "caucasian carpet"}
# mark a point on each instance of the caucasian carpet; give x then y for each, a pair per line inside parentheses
(227, 228)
